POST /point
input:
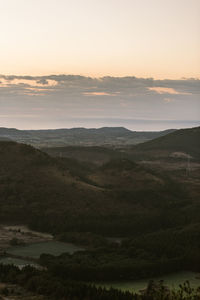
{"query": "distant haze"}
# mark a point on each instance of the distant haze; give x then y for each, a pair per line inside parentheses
(65, 101)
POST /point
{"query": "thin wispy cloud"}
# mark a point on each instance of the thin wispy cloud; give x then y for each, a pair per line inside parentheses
(98, 94)
(167, 90)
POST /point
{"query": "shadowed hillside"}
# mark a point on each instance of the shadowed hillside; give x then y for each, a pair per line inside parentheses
(58, 194)
(184, 140)
(92, 154)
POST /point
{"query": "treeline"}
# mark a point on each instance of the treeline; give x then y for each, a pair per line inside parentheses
(44, 283)
(87, 239)
(143, 256)
(104, 266)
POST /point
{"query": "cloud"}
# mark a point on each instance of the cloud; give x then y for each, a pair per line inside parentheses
(167, 90)
(42, 81)
(58, 98)
(98, 94)
(76, 84)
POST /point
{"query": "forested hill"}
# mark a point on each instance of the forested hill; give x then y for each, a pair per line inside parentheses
(58, 194)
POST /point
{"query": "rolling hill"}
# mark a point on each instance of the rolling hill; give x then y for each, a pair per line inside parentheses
(183, 141)
(62, 194)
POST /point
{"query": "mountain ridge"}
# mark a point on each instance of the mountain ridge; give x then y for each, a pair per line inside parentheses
(106, 136)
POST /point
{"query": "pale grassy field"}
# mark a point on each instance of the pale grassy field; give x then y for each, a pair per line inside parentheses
(171, 280)
(50, 247)
(16, 261)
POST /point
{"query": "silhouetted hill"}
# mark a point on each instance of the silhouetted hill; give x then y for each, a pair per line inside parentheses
(107, 136)
(178, 143)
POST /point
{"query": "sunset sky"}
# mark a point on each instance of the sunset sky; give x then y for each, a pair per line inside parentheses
(124, 50)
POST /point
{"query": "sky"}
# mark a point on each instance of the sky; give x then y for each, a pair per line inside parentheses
(93, 63)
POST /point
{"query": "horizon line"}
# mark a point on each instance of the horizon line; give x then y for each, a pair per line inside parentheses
(95, 77)
(101, 127)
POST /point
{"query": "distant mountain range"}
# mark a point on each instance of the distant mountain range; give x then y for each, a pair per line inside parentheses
(115, 136)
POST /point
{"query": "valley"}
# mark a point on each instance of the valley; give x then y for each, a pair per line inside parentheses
(146, 197)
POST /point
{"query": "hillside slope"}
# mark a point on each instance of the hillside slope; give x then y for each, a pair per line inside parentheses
(56, 195)
(89, 154)
(186, 141)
